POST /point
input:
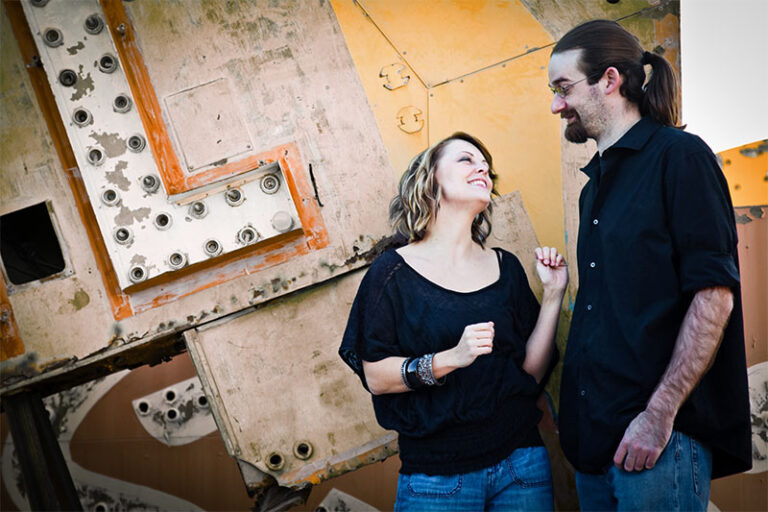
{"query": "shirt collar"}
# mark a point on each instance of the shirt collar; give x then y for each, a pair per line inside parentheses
(635, 138)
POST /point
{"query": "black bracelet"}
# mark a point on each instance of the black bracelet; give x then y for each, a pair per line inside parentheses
(412, 373)
(403, 368)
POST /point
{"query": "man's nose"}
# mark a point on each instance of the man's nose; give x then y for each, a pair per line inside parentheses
(558, 104)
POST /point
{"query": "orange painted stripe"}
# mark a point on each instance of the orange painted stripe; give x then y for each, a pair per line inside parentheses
(144, 95)
(10, 340)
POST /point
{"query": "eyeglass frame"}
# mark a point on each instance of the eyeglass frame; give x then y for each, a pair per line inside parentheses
(562, 91)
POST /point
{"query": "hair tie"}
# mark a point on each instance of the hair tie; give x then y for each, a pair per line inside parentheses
(647, 56)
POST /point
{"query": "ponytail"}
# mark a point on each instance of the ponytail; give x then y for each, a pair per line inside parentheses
(660, 99)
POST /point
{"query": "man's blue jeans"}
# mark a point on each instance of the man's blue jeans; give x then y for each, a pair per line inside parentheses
(678, 482)
(522, 481)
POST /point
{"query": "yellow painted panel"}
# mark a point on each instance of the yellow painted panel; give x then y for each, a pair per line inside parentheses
(372, 53)
(507, 107)
(746, 169)
(446, 39)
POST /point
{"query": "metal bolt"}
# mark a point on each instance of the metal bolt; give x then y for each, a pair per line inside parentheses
(93, 24)
(234, 197)
(107, 63)
(270, 184)
(121, 104)
(53, 37)
(67, 78)
(212, 247)
(247, 235)
(275, 461)
(150, 183)
(137, 274)
(137, 143)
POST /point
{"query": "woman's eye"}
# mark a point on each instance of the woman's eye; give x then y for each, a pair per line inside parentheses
(465, 159)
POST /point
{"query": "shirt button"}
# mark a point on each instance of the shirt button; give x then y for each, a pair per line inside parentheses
(589, 307)
(592, 265)
(582, 393)
(594, 221)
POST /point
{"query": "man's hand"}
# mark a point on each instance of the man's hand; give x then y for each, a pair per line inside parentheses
(644, 440)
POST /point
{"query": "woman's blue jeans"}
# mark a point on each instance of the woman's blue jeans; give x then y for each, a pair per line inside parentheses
(522, 481)
(679, 481)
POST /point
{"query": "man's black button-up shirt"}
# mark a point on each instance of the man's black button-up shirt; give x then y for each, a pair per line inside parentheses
(656, 226)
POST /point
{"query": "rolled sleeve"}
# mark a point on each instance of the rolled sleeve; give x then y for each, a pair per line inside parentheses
(704, 269)
(701, 222)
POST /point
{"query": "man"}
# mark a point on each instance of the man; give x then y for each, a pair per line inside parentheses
(654, 398)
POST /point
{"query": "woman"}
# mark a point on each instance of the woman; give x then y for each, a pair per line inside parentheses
(454, 347)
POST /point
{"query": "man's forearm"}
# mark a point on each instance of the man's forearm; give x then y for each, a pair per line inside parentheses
(694, 351)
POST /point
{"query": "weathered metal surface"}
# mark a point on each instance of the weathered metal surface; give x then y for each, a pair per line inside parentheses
(297, 74)
(177, 415)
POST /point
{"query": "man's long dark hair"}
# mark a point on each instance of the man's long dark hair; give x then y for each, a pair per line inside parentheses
(605, 43)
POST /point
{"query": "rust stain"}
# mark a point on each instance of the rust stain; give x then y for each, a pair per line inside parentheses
(80, 300)
(10, 340)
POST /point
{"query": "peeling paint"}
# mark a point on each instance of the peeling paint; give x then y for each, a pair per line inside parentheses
(754, 152)
(113, 145)
(72, 50)
(126, 217)
(80, 300)
(117, 177)
(83, 86)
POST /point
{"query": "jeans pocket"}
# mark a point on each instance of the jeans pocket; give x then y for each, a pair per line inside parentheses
(530, 467)
(419, 484)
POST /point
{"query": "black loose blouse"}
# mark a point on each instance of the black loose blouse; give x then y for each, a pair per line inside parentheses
(483, 412)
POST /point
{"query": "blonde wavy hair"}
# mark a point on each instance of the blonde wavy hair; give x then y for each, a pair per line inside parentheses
(418, 199)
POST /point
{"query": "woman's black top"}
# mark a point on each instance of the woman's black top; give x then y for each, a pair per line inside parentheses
(483, 412)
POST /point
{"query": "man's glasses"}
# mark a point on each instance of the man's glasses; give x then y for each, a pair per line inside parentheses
(563, 89)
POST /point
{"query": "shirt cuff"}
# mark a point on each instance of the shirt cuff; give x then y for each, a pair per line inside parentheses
(705, 269)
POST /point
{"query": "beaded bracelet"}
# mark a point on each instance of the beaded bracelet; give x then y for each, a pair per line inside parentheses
(426, 375)
(416, 372)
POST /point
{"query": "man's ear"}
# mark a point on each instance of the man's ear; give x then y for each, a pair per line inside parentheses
(612, 80)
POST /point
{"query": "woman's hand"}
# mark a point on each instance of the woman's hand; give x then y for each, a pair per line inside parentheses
(552, 269)
(476, 340)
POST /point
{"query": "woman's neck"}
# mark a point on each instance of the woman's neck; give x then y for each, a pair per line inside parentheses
(450, 236)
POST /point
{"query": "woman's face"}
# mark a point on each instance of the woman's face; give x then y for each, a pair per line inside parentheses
(462, 174)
